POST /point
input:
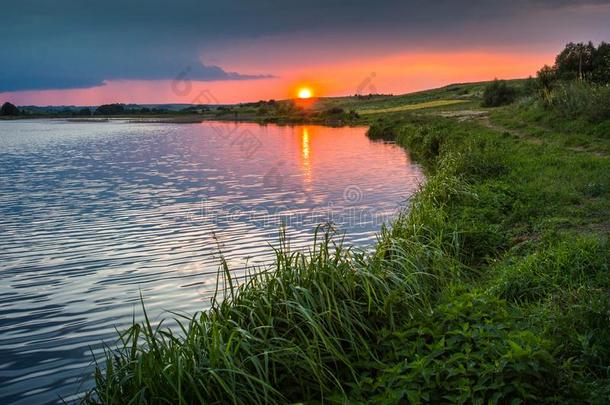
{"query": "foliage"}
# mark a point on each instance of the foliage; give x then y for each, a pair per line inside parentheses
(578, 99)
(294, 331)
(382, 130)
(579, 61)
(109, 109)
(601, 63)
(563, 265)
(575, 61)
(334, 111)
(547, 76)
(465, 351)
(498, 93)
(9, 109)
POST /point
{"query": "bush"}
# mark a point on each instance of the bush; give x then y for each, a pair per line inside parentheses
(334, 111)
(547, 76)
(464, 352)
(9, 109)
(382, 130)
(579, 99)
(110, 109)
(498, 93)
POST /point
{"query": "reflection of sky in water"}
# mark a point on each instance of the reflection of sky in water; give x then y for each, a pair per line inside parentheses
(91, 214)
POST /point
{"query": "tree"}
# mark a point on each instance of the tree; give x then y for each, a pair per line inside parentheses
(9, 109)
(110, 109)
(547, 76)
(601, 64)
(580, 61)
(575, 61)
(84, 112)
(498, 93)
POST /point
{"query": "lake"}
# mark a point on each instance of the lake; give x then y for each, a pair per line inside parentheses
(94, 213)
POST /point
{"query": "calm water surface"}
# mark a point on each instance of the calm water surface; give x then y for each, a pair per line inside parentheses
(92, 214)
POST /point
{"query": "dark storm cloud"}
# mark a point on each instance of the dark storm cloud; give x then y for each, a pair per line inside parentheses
(76, 44)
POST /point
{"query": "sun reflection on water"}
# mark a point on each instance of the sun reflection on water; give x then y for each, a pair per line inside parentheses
(305, 154)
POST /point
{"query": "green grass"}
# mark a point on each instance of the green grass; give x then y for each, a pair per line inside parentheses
(531, 118)
(492, 288)
(288, 333)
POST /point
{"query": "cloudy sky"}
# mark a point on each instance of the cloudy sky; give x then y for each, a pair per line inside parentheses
(84, 52)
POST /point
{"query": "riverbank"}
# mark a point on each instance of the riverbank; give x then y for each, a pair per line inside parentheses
(493, 286)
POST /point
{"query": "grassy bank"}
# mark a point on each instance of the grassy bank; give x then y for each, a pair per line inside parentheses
(493, 287)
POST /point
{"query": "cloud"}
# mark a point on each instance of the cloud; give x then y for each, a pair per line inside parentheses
(84, 76)
(80, 44)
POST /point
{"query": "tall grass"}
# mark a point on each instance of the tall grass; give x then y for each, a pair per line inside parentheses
(297, 330)
(579, 100)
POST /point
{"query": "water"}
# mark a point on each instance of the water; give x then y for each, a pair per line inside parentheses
(92, 214)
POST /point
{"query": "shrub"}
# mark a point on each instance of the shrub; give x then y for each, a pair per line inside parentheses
(580, 99)
(382, 130)
(498, 93)
(577, 62)
(334, 111)
(547, 77)
(110, 109)
(464, 352)
(9, 109)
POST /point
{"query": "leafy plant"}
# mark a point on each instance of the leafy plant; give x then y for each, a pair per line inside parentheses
(498, 93)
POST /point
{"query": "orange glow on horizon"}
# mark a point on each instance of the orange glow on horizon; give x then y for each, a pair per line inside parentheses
(397, 73)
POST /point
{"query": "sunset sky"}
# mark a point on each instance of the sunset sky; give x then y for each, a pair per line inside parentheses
(69, 52)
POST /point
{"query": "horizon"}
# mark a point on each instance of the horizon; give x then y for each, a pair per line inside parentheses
(264, 100)
(208, 53)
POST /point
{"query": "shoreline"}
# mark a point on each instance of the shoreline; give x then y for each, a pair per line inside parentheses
(462, 255)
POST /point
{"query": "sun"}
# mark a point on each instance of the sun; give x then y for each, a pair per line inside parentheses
(305, 93)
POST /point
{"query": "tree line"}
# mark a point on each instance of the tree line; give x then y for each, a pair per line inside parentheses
(579, 61)
(582, 66)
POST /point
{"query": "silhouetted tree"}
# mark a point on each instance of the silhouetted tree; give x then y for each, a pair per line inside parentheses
(110, 109)
(575, 61)
(601, 64)
(9, 109)
(580, 61)
(547, 76)
(84, 112)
